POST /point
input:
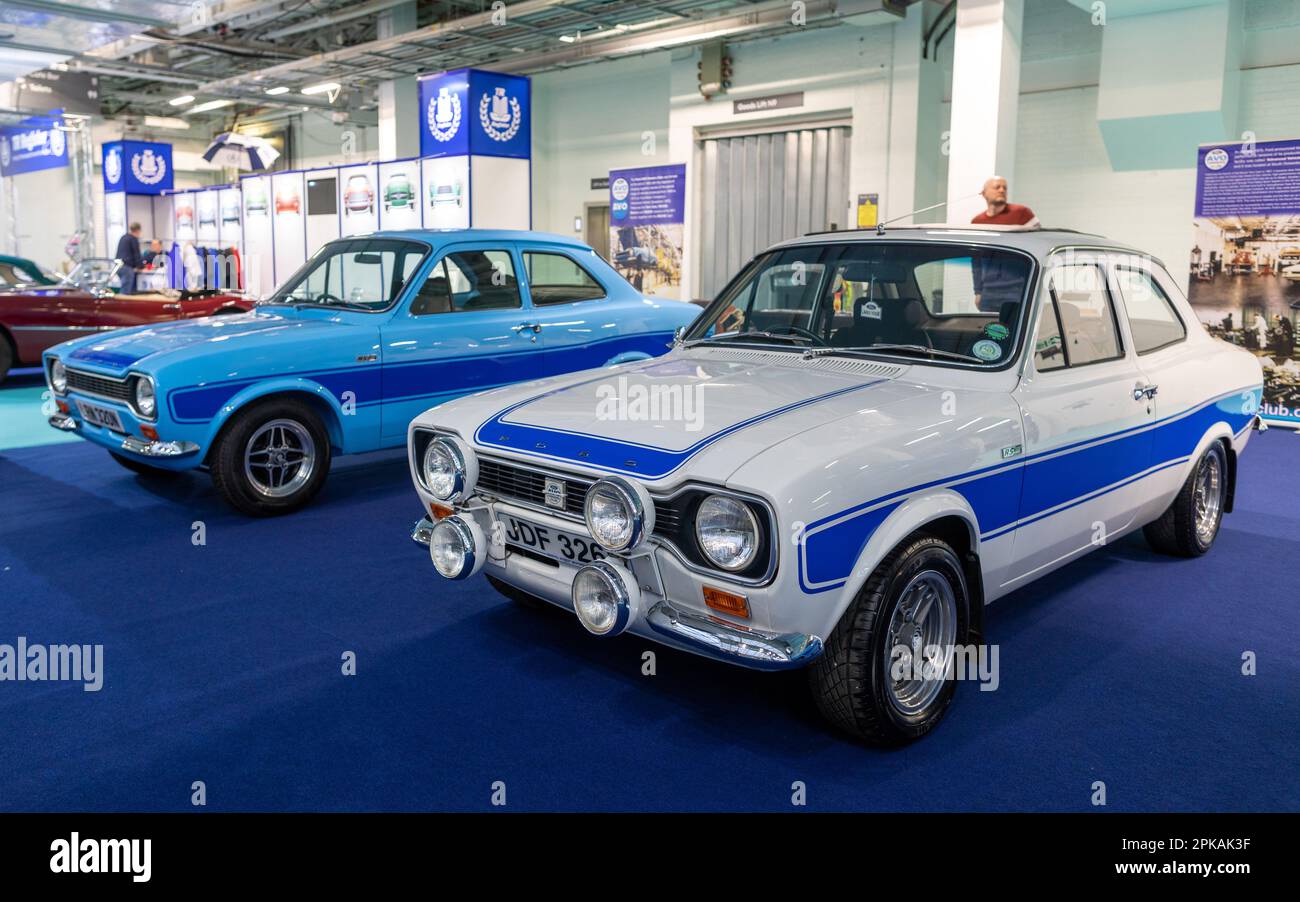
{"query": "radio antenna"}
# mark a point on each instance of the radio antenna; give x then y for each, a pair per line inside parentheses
(880, 227)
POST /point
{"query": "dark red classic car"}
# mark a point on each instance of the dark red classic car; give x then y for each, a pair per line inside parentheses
(34, 318)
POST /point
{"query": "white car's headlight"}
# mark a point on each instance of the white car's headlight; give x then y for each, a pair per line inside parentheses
(58, 376)
(449, 469)
(727, 532)
(146, 402)
(619, 513)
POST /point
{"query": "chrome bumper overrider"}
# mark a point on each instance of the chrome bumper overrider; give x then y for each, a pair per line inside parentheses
(749, 647)
(159, 448)
(64, 422)
(420, 532)
(1259, 424)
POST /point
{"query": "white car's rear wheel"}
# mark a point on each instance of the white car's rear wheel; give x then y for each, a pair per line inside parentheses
(1191, 524)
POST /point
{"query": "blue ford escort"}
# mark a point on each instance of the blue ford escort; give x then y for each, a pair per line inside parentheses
(370, 332)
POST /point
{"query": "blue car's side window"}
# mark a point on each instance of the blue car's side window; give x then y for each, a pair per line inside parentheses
(469, 280)
(555, 278)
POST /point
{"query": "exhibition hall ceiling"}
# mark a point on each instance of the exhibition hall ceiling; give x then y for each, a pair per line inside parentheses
(147, 54)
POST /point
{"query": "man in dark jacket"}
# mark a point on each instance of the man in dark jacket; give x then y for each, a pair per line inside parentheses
(128, 251)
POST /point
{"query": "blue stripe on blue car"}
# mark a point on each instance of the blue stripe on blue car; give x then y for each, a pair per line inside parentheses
(1005, 498)
(377, 383)
(612, 455)
(104, 358)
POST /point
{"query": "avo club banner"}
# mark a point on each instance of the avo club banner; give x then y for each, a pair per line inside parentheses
(647, 227)
(1244, 273)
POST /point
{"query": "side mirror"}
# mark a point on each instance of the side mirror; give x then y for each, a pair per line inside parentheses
(678, 335)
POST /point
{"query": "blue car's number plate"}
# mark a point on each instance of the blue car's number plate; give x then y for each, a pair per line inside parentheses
(100, 416)
(551, 542)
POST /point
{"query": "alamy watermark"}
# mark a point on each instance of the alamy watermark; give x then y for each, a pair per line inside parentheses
(974, 663)
(621, 400)
(22, 662)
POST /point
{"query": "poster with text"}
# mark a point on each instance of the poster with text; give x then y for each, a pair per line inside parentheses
(399, 195)
(1244, 273)
(647, 216)
(446, 193)
(358, 210)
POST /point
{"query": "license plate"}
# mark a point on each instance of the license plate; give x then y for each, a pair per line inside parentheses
(555, 493)
(551, 542)
(100, 416)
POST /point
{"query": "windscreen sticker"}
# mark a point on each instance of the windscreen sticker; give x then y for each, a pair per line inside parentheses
(986, 350)
(870, 310)
(997, 331)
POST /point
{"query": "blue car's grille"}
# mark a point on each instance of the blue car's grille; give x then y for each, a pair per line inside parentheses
(117, 389)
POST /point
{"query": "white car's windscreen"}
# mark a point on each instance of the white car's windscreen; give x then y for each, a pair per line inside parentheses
(950, 303)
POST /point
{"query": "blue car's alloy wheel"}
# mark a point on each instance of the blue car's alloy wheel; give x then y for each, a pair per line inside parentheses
(272, 457)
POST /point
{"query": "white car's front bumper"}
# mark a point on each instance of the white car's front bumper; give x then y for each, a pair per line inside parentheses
(550, 577)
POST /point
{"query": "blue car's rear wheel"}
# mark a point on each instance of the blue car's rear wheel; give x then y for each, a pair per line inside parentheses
(272, 458)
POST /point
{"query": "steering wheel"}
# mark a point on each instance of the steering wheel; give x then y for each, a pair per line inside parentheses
(800, 330)
(326, 298)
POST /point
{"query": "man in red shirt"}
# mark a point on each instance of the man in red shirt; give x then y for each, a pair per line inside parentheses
(1000, 212)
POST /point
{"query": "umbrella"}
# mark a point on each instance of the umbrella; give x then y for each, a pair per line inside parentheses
(240, 152)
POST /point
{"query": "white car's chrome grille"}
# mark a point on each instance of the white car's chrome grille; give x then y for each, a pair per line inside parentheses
(512, 482)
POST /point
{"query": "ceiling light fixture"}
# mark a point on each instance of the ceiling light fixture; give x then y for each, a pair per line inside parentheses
(277, 91)
(209, 106)
(324, 88)
(182, 100)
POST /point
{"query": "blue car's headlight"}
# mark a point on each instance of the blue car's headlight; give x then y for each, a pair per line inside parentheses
(58, 376)
(146, 400)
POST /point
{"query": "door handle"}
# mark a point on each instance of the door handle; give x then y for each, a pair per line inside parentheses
(535, 328)
(1144, 391)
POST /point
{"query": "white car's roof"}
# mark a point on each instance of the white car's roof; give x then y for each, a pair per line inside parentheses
(1037, 241)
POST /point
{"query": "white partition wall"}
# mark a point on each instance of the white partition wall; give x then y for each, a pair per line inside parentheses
(290, 234)
(322, 211)
(259, 237)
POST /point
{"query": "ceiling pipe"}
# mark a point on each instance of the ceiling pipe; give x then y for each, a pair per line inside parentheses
(343, 55)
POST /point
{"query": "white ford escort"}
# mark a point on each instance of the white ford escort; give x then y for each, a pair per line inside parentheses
(865, 439)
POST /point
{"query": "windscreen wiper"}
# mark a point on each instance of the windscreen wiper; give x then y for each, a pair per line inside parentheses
(905, 348)
(753, 333)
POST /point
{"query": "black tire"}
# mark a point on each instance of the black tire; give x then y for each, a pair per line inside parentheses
(850, 681)
(137, 466)
(227, 461)
(1176, 532)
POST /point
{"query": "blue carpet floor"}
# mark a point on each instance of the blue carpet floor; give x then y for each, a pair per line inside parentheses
(223, 665)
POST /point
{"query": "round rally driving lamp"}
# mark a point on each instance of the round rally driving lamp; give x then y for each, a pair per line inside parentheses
(457, 547)
(606, 598)
(449, 468)
(619, 513)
